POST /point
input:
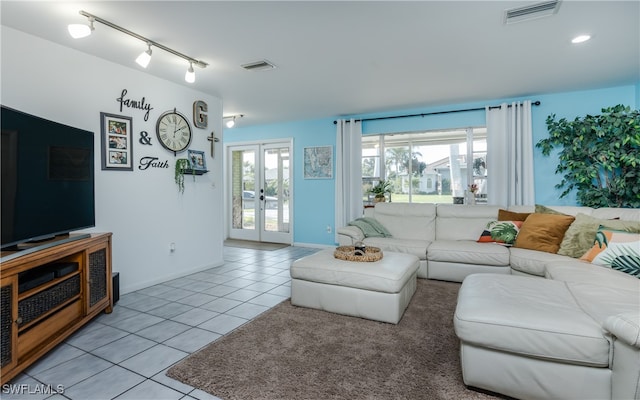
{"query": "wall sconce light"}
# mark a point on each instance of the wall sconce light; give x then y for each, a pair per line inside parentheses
(231, 120)
(78, 31)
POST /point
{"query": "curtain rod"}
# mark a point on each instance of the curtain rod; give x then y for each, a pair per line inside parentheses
(534, 103)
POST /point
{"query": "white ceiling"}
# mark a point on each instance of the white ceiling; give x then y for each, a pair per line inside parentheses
(352, 57)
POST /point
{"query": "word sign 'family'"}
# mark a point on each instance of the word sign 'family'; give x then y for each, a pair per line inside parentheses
(140, 105)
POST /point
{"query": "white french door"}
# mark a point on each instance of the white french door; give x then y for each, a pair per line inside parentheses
(259, 191)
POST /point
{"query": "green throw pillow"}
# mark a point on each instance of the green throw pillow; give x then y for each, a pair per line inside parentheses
(546, 210)
(578, 239)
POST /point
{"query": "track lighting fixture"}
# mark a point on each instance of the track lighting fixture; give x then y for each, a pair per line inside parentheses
(144, 57)
(190, 76)
(78, 31)
(231, 120)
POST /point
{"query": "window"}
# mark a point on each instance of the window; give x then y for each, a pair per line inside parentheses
(426, 167)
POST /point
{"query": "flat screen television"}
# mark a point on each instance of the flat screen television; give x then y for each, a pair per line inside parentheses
(47, 178)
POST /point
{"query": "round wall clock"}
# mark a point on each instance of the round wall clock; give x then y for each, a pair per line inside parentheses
(174, 131)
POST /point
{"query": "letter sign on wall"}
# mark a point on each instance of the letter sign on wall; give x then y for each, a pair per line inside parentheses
(199, 114)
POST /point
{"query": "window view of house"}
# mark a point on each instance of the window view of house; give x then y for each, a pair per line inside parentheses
(426, 167)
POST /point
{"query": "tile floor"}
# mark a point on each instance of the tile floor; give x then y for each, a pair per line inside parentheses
(124, 355)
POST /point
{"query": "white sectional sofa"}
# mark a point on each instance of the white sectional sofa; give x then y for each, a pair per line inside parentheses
(575, 334)
(444, 238)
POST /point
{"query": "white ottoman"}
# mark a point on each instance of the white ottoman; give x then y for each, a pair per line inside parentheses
(378, 290)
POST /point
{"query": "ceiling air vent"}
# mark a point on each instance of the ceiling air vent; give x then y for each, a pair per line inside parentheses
(532, 11)
(258, 66)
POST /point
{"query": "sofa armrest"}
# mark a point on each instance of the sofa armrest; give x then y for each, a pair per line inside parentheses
(349, 235)
(625, 327)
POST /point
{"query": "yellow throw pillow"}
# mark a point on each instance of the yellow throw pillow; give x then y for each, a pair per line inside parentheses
(543, 232)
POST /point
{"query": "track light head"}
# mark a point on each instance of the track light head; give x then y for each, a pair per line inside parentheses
(78, 31)
(145, 57)
(190, 76)
(231, 120)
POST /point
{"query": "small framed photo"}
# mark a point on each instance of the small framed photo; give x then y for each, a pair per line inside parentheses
(318, 162)
(196, 158)
(117, 144)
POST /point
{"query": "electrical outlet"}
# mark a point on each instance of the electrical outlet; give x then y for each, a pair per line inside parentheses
(328, 229)
(172, 247)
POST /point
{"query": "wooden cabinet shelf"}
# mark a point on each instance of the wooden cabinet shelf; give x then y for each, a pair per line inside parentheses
(47, 294)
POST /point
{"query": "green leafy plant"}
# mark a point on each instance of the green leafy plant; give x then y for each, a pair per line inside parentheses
(381, 189)
(182, 164)
(599, 156)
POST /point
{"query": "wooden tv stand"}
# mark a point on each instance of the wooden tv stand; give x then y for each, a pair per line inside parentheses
(72, 285)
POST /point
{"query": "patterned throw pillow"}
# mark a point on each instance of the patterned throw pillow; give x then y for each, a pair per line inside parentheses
(501, 232)
(616, 249)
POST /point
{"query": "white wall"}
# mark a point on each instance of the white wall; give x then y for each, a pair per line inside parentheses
(143, 209)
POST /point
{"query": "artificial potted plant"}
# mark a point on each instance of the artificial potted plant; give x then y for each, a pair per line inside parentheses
(380, 190)
(599, 156)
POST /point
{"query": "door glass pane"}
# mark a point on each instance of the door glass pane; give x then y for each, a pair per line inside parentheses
(243, 166)
(276, 190)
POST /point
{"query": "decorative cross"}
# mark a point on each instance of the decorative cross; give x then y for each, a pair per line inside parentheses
(213, 139)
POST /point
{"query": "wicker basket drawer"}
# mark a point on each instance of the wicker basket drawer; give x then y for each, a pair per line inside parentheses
(32, 307)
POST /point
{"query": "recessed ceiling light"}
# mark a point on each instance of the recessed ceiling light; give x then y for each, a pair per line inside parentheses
(580, 39)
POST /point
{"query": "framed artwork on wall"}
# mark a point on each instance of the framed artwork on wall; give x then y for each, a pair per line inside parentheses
(318, 162)
(196, 159)
(117, 143)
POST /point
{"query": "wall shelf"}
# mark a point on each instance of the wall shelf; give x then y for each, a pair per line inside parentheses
(195, 172)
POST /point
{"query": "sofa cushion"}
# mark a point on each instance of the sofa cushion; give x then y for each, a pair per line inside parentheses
(616, 249)
(582, 271)
(468, 252)
(529, 316)
(506, 215)
(531, 261)
(416, 247)
(543, 232)
(563, 210)
(501, 232)
(578, 239)
(457, 222)
(407, 220)
(599, 302)
(627, 214)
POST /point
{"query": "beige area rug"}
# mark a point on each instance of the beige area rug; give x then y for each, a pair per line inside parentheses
(292, 352)
(248, 244)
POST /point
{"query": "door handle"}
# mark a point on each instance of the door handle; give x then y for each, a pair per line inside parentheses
(261, 197)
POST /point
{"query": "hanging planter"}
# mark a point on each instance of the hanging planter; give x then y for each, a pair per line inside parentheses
(182, 166)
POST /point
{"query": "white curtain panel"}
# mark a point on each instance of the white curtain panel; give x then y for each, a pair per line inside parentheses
(510, 155)
(348, 172)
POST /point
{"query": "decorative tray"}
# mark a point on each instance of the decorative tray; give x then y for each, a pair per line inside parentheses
(347, 253)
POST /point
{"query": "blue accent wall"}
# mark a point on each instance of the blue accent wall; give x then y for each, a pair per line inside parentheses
(314, 203)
